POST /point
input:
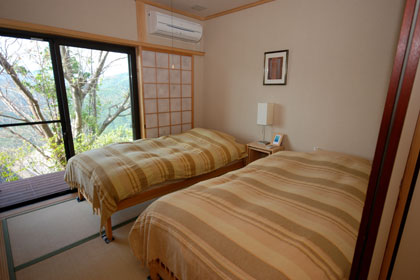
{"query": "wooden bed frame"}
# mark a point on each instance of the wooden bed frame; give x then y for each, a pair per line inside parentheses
(159, 271)
(165, 189)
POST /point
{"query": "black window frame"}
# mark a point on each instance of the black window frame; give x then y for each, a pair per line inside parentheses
(54, 42)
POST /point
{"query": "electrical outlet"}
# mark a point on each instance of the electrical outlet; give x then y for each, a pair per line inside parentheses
(316, 149)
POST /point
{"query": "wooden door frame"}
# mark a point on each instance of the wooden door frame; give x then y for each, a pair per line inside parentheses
(401, 210)
(399, 92)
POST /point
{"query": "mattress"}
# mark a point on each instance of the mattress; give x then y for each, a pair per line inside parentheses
(288, 216)
(119, 171)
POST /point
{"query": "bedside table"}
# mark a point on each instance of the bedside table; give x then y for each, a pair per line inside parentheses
(257, 150)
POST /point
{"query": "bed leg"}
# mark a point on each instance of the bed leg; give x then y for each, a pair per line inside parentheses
(153, 269)
(80, 196)
(107, 237)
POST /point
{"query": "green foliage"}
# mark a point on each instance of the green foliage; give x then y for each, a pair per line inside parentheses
(41, 83)
(21, 70)
(58, 156)
(16, 162)
(8, 162)
(88, 142)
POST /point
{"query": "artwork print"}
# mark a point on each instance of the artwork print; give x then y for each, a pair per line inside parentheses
(275, 67)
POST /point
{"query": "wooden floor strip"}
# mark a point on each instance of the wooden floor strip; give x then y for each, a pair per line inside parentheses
(23, 190)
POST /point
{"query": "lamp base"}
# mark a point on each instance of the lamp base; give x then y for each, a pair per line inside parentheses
(263, 142)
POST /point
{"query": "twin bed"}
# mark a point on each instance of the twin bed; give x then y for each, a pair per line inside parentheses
(288, 216)
(121, 175)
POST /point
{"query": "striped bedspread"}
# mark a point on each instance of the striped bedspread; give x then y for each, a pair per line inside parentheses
(119, 171)
(288, 216)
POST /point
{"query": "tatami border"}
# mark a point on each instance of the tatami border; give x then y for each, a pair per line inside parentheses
(12, 269)
(8, 248)
(39, 208)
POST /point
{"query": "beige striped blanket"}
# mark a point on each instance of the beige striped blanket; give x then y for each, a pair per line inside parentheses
(288, 216)
(119, 171)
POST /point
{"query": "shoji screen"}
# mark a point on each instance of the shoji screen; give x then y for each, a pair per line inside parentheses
(167, 93)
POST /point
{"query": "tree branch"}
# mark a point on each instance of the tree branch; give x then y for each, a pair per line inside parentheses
(111, 117)
(94, 81)
(44, 61)
(33, 103)
(29, 142)
(13, 108)
(68, 69)
(20, 112)
(109, 64)
(13, 118)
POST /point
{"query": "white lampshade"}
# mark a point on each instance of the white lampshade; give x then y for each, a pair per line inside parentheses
(265, 113)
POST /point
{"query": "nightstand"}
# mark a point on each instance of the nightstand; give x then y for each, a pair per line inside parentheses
(257, 150)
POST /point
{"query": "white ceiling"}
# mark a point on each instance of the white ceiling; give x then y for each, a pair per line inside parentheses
(211, 6)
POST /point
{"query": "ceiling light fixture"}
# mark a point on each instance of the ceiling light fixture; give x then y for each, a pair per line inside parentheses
(198, 8)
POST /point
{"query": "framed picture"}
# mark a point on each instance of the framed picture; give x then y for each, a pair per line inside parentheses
(277, 139)
(275, 67)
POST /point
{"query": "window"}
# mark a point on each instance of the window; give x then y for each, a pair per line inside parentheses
(30, 123)
(97, 84)
(59, 97)
(167, 93)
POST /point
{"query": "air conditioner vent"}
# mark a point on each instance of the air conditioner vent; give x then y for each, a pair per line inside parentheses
(173, 27)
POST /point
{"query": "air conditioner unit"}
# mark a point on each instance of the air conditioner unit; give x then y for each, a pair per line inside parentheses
(167, 25)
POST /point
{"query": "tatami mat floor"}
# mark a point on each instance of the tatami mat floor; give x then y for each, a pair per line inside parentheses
(34, 206)
(67, 253)
(91, 260)
(4, 273)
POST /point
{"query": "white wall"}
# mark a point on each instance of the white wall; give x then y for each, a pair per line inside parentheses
(116, 18)
(341, 55)
(340, 61)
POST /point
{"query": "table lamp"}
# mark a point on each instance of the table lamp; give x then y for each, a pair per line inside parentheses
(264, 118)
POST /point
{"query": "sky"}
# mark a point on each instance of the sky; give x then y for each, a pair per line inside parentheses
(18, 49)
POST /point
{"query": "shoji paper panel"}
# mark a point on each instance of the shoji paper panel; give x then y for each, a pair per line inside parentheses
(167, 93)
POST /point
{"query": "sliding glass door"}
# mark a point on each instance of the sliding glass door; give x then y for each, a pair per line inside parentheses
(31, 139)
(98, 95)
(60, 97)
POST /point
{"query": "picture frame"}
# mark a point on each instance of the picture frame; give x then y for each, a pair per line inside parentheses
(275, 67)
(277, 139)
